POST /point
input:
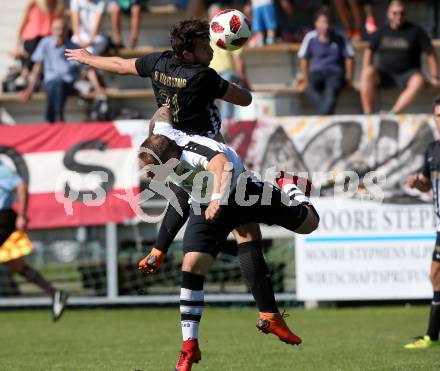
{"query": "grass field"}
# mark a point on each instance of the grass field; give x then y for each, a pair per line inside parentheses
(149, 340)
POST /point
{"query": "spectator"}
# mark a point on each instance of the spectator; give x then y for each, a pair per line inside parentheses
(263, 21)
(87, 16)
(400, 45)
(344, 8)
(326, 60)
(285, 13)
(133, 8)
(35, 24)
(12, 186)
(59, 74)
(370, 21)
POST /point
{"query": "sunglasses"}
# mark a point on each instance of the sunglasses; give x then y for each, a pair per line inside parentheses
(402, 13)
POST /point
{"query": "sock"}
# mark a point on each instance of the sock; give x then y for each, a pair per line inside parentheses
(256, 275)
(33, 276)
(191, 304)
(295, 194)
(434, 317)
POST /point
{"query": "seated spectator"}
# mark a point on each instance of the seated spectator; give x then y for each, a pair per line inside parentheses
(35, 24)
(264, 21)
(87, 16)
(133, 8)
(345, 7)
(400, 45)
(59, 74)
(326, 60)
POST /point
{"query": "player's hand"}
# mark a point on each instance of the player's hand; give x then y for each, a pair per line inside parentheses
(78, 55)
(21, 223)
(150, 264)
(213, 210)
(411, 181)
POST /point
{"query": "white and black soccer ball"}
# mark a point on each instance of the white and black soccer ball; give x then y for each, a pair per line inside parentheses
(229, 29)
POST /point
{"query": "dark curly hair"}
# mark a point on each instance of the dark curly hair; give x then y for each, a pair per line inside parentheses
(184, 34)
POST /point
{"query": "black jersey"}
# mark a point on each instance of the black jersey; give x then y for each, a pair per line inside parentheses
(431, 170)
(189, 90)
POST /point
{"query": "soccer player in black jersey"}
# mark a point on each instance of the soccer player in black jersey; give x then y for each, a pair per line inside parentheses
(181, 77)
(424, 182)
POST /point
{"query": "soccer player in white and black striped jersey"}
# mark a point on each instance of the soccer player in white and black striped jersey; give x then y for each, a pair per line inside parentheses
(207, 229)
(424, 182)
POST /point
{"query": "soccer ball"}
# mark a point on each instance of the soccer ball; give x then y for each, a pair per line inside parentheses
(229, 29)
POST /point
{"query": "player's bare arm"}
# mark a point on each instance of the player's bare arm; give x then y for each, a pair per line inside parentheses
(117, 65)
(420, 182)
(219, 167)
(237, 95)
(162, 114)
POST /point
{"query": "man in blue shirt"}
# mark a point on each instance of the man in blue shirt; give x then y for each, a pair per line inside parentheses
(12, 186)
(326, 62)
(59, 73)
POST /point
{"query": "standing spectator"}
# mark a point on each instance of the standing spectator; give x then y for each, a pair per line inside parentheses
(326, 60)
(12, 186)
(231, 67)
(35, 24)
(87, 16)
(59, 74)
(133, 8)
(400, 45)
(264, 20)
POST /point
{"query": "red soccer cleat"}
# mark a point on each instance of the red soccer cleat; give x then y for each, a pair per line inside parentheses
(274, 323)
(189, 354)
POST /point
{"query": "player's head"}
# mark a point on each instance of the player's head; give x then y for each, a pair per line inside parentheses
(190, 41)
(436, 111)
(323, 22)
(158, 150)
(396, 13)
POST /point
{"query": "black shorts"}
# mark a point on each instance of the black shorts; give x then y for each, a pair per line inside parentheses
(392, 79)
(208, 237)
(436, 252)
(7, 224)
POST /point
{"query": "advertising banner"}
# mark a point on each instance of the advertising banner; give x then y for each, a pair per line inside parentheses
(78, 174)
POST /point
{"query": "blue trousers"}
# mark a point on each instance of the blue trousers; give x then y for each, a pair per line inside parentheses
(57, 92)
(323, 90)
